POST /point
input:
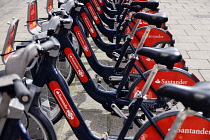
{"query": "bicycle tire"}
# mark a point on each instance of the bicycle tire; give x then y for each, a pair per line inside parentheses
(43, 122)
(147, 131)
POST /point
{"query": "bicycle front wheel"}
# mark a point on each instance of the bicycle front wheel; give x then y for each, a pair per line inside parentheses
(50, 106)
(38, 126)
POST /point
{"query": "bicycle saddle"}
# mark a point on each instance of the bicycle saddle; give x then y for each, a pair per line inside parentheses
(156, 19)
(196, 97)
(152, 4)
(135, 8)
(165, 56)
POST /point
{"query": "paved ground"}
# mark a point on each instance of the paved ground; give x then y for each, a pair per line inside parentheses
(189, 23)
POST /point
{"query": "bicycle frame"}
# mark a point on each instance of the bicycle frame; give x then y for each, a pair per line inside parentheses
(104, 71)
(100, 69)
(165, 36)
(48, 74)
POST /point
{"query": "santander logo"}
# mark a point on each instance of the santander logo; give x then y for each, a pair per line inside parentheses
(92, 12)
(143, 136)
(155, 36)
(89, 25)
(90, 28)
(64, 103)
(149, 59)
(76, 65)
(164, 81)
(82, 41)
(98, 8)
(79, 71)
(68, 111)
(70, 114)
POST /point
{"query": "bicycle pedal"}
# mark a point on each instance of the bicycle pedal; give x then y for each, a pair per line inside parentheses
(115, 54)
(142, 117)
(105, 136)
(118, 111)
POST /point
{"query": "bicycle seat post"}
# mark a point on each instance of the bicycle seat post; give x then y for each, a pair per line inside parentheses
(178, 122)
(144, 37)
(151, 78)
(142, 93)
(134, 29)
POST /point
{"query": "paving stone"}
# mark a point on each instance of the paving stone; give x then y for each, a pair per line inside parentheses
(199, 54)
(203, 46)
(205, 74)
(183, 13)
(188, 21)
(179, 5)
(184, 1)
(197, 64)
(205, 21)
(186, 9)
(181, 27)
(175, 17)
(198, 13)
(85, 102)
(177, 32)
(184, 54)
(206, 37)
(172, 21)
(190, 38)
(117, 123)
(197, 74)
(186, 46)
(198, 32)
(190, 17)
(199, 27)
(96, 121)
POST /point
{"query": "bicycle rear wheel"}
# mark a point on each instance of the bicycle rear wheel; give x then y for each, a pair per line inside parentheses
(163, 76)
(188, 131)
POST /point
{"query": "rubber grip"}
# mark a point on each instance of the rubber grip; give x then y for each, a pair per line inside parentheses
(22, 93)
(48, 45)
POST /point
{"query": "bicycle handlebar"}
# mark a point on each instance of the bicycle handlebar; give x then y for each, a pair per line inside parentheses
(22, 93)
(50, 44)
(14, 87)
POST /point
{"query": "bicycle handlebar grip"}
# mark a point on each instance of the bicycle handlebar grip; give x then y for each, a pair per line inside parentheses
(22, 93)
(48, 45)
